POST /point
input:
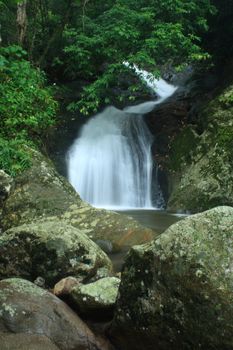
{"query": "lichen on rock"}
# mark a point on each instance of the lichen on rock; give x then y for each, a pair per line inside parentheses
(5, 186)
(205, 170)
(176, 292)
(51, 250)
(97, 296)
(32, 318)
(41, 194)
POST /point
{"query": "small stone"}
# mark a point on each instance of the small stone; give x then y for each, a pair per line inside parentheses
(40, 282)
(64, 286)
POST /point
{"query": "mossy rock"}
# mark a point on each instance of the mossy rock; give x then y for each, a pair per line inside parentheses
(176, 292)
(205, 184)
(33, 318)
(99, 296)
(206, 170)
(5, 186)
(41, 194)
(182, 147)
(51, 250)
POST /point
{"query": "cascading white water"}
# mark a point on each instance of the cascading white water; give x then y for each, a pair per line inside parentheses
(110, 164)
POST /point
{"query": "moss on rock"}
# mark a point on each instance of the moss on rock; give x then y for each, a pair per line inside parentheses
(206, 178)
(35, 319)
(97, 296)
(51, 250)
(41, 194)
(176, 292)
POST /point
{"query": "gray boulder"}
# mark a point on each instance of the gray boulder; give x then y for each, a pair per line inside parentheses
(51, 250)
(177, 291)
(32, 318)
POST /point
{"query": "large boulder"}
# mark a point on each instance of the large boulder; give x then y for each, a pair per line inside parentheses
(202, 159)
(176, 292)
(51, 250)
(40, 193)
(204, 184)
(32, 318)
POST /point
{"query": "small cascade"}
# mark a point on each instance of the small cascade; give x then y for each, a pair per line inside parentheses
(110, 164)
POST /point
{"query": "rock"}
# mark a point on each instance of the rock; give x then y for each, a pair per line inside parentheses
(112, 231)
(29, 314)
(95, 297)
(200, 187)
(5, 186)
(176, 292)
(51, 250)
(204, 165)
(22, 342)
(40, 193)
(64, 286)
(40, 282)
(102, 272)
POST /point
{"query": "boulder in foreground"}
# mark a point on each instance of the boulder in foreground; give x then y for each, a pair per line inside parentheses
(177, 291)
(31, 318)
(51, 250)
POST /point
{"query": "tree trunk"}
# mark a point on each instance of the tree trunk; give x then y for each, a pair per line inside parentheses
(22, 21)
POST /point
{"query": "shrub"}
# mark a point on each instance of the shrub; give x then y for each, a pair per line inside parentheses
(27, 108)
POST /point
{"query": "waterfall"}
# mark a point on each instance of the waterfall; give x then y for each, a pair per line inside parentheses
(110, 164)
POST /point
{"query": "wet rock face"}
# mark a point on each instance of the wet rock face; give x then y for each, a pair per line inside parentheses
(40, 193)
(32, 318)
(50, 250)
(204, 167)
(176, 292)
(165, 122)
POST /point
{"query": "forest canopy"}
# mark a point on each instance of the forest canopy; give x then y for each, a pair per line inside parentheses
(87, 41)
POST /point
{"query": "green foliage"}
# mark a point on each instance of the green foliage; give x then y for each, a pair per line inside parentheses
(219, 38)
(13, 156)
(146, 33)
(227, 98)
(223, 138)
(89, 40)
(27, 108)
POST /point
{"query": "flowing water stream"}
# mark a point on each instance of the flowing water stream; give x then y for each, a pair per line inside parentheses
(110, 163)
